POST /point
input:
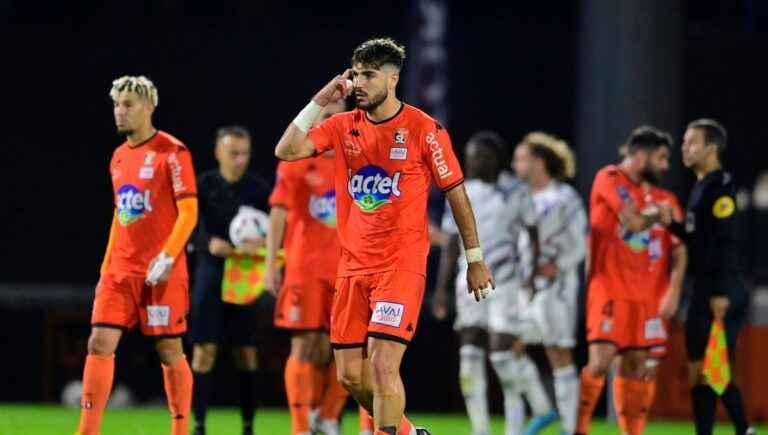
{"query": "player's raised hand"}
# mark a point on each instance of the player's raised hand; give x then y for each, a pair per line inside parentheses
(479, 279)
(159, 269)
(339, 87)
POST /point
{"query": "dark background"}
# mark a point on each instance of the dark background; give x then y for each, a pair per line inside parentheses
(512, 68)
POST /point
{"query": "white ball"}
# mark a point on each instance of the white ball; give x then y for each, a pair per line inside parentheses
(248, 224)
(121, 397)
(71, 394)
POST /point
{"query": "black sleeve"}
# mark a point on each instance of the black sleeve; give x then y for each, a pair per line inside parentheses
(721, 204)
(678, 229)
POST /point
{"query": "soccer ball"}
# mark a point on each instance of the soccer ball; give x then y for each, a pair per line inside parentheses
(248, 224)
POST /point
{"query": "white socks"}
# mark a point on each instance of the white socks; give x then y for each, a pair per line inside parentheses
(519, 376)
(474, 385)
(567, 395)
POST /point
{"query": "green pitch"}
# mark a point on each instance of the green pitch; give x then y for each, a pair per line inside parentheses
(47, 420)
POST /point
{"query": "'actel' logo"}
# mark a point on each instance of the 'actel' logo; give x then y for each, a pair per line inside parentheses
(371, 187)
(132, 204)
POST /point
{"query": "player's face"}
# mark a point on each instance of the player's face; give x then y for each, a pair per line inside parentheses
(233, 154)
(371, 85)
(656, 164)
(523, 161)
(481, 161)
(695, 148)
(131, 112)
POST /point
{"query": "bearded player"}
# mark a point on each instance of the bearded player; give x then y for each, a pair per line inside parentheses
(144, 273)
(619, 292)
(387, 153)
(304, 201)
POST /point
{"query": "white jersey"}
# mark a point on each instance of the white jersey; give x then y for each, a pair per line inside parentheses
(562, 224)
(500, 215)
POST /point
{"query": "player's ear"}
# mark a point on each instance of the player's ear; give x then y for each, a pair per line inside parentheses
(394, 77)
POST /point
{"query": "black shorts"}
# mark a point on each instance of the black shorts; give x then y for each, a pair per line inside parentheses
(214, 321)
(699, 322)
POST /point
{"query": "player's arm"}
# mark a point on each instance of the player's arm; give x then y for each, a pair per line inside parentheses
(572, 242)
(620, 203)
(296, 143)
(671, 300)
(478, 275)
(278, 218)
(110, 243)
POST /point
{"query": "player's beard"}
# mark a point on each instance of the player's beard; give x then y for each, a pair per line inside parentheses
(124, 131)
(374, 102)
(651, 176)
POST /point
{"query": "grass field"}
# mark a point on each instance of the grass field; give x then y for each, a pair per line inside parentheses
(54, 420)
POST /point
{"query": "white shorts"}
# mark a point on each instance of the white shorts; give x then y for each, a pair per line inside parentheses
(497, 313)
(550, 318)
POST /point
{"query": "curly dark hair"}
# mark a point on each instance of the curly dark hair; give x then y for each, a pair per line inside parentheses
(378, 52)
(648, 138)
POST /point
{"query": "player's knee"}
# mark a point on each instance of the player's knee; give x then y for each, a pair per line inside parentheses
(246, 358)
(599, 367)
(101, 344)
(203, 358)
(384, 373)
(351, 380)
(169, 350)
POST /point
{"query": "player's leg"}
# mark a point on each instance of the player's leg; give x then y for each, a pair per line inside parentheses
(98, 375)
(177, 377)
(731, 398)
(518, 376)
(566, 383)
(472, 376)
(592, 381)
(472, 326)
(114, 311)
(651, 375)
(300, 380)
(333, 395)
(388, 391)
(629, 390)
(241, 326)
(703, 398)
(203, 362)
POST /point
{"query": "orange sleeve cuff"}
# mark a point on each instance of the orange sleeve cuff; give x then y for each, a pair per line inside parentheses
(182, 229)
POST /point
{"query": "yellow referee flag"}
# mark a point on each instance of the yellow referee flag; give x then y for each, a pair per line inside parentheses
(717, 368)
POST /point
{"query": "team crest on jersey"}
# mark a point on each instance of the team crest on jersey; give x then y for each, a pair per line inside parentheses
(323, 208)
(149, 156)
(132, 204)
(372, 187)
(401, 136)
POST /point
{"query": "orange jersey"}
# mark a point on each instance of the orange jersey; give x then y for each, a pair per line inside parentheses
(662, 243)
(620, 260)
(306, 189)
(383, 175)
(147, 180)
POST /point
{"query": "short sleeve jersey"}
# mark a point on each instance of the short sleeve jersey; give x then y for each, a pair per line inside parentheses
(620, 259)
(384, 171)
(147, 180)
(662, 242)
(306, 188)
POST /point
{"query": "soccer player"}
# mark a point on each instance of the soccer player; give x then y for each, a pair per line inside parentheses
(618, 319)
(502, 215)
(144, 273)
(545, 162)
(304, 199)
(719, 293)
(387, 152)
(222, 191)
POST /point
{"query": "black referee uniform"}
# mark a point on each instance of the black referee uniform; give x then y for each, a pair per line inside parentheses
(710, 233)
(214, 321)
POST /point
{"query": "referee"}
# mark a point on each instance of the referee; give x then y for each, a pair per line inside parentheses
(719, 293)
(221, 192)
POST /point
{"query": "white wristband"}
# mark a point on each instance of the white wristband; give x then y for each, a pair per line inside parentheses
(474, 255)
(307, 116)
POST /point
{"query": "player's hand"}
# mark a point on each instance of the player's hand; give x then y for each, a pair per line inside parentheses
(252, 247)
(273, 279)
(339, 87)
(479, 278)
(666, 215)
(219, 247)
(719, 306)
(548, 270)
(159, 269)
(668, 305)
(440, 304)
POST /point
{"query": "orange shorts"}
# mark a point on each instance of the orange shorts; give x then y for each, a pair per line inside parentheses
(122, 301)
(382, 305)
(626, 324)
(305, 305)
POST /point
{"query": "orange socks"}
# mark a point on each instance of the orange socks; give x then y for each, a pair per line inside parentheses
(298, 387)
(405, 427)
(97, 384)
(366, 421)
(589, 394)
(650, 395)
(334, 396)
(178, 389)
(629, 397)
